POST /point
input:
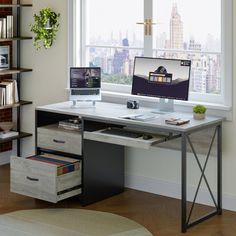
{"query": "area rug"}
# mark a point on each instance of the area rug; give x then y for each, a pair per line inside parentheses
(68, 222)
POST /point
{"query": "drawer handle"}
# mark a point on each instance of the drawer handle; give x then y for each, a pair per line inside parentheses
(32, 179)
(58, 141)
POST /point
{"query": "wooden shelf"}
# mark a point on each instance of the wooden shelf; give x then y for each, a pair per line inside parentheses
(20, 136)
(21, 103)
(15, 38)
(13, 71)
(15, 5)
(15, 8)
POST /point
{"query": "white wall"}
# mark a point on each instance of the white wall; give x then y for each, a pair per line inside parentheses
(47, 83)
(157, 170)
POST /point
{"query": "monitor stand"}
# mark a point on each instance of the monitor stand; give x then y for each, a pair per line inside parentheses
(165, 106)
(83, 103)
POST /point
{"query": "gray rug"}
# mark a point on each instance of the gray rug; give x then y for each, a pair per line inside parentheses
(68, 222)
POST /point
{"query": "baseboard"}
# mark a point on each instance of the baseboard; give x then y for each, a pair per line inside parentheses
(173, 190)
(5, 157)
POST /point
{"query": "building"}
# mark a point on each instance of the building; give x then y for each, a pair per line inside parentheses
(176, 29)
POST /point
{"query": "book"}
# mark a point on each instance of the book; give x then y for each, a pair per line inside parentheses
(6, 88)
(11, 91)
(1, 27)
(176, 121)
(70, 124)
(10, 96)
(8, 91)
(9, 28)
(2, 96)
(4, 28)
(14, 90)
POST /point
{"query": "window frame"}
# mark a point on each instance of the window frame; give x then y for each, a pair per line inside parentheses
(223, 102)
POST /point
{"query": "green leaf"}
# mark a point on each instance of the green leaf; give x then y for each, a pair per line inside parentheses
(44, 36)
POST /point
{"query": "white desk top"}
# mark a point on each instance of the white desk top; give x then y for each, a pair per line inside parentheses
(112, 112)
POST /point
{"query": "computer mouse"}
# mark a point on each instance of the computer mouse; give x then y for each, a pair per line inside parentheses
(147, 136)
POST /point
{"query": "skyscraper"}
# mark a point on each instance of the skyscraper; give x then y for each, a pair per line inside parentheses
(176, 29)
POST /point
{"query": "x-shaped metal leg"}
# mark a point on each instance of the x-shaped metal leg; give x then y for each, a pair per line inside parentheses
(186, 139)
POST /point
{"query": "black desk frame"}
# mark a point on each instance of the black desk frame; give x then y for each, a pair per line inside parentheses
(88, 196)
(185, 217)
(185, 139)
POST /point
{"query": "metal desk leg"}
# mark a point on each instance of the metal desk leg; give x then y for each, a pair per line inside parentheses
(187, 223)
(219, 169)
(183, 183)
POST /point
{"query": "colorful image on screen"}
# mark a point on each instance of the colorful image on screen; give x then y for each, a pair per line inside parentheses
(164, 78)
(85, 77)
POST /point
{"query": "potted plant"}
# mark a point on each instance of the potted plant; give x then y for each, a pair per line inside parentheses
(45, 28)
(199, 112)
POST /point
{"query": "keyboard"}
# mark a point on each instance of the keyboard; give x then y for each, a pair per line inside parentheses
(140, 117)
(122, 132)
(85, 92)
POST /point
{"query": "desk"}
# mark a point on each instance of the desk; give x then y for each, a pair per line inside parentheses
(103, 153)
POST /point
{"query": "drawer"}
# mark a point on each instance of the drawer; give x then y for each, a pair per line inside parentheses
(42, 180)
(51, 137)
(124, 141)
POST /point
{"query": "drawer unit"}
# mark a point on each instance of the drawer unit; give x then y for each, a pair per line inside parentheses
(45, 180)
(54, 138)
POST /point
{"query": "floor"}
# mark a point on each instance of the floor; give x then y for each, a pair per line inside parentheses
(160, 215)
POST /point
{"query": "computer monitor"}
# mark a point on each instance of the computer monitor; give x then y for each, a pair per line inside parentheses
(85, 84)
(162, 78)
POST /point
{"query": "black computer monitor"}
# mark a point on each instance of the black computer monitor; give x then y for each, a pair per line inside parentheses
(162, 78)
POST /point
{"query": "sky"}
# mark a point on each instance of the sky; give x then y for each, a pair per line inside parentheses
(117, 16)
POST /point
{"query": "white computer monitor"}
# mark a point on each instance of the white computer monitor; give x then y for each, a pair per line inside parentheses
(85, 84)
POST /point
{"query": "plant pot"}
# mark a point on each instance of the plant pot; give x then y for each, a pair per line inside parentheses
(199, 116)
(48, 25)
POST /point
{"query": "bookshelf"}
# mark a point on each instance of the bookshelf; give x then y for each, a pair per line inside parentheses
(14, 72)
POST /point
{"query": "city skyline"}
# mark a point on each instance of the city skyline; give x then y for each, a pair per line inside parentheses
(193, 14)
(117, 64)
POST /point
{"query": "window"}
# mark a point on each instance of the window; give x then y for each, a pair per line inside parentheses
(110, 37)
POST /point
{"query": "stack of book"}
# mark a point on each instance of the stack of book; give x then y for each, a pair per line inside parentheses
(6, 27)
(177, 121)
(8, 92)
(71, 124)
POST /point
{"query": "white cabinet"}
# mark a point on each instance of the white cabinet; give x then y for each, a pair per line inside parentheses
(43, 180)
(47, 176)
(53, 138)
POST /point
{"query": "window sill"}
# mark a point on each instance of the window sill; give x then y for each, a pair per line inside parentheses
(180, 106)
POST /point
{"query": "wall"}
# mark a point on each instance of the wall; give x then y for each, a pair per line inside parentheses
(157, 170)
(47, 83)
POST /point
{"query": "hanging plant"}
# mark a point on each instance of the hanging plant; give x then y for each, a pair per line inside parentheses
(45, 28)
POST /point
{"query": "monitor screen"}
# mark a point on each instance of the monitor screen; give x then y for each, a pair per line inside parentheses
(163, 78)
(85, 77)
